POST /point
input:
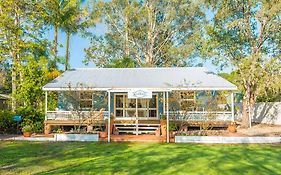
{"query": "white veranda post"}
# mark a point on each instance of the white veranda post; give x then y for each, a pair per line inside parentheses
(232, 106)
(46, 104)
(167, 102)
(108, 120)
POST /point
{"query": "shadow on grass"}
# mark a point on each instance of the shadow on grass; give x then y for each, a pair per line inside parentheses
(139, 158)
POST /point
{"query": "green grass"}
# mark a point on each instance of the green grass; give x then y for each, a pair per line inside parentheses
(137, 158)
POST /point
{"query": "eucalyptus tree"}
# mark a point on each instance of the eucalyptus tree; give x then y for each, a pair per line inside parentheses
(246, 35)
(21, 29)
(152, 32)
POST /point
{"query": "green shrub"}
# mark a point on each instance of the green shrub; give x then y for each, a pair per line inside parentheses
(30, 116)
(27, 128)
(173, 126)
(33, 118)
(7, 125)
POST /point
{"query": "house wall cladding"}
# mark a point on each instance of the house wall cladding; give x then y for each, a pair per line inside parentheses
(267, 113)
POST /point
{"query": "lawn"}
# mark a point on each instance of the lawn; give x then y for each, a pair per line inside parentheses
(137, 158)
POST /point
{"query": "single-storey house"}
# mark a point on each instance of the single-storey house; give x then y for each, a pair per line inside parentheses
(137, 98)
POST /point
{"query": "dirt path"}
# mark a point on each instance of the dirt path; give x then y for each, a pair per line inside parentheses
(261, 130)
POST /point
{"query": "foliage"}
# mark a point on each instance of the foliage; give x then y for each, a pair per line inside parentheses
(5, 78)
(68, 16)
(122, 63)
(33, 78)
(26, 128)
(7, 125)
(21, 38)
(246, 36)
(173, 126)
(268, 94)
(153, 33)
(33, 118)
(30, 117)
(74, 19)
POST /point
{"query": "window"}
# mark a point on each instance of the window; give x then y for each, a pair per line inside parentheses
(86, 101)
(187, 100)
(100, 100)
(125, 107)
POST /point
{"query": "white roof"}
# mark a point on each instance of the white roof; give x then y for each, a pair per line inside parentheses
(157, 79)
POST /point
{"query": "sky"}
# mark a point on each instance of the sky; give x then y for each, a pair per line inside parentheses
(78, 44)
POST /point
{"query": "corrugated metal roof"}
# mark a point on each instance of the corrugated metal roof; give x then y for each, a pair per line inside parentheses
(193, 78)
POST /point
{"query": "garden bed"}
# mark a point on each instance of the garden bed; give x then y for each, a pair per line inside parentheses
(77, 137)
(222, 139)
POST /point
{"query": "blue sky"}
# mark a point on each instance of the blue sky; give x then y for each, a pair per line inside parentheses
(78, 44)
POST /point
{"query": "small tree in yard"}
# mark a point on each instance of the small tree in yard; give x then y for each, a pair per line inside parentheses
(246, 35)
(75, 101)
(185, 102)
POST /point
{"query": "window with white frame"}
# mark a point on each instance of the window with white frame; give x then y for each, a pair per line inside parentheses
(187, 100)
(86, 100)
(125, 107)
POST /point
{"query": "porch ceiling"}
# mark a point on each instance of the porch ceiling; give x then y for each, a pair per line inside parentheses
(123, 79)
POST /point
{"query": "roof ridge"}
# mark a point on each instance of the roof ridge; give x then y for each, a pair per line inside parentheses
(141, 68)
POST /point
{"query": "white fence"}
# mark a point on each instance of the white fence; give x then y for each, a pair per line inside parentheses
(74, 115)
(267, 113)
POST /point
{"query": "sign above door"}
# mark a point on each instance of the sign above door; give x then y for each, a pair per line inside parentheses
(139, 93)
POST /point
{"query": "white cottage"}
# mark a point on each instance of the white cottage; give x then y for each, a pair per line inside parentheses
(137, 98)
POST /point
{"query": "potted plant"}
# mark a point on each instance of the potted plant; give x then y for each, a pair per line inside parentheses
(26, 130)
(103, 134)
(163, 124)
(232, 127)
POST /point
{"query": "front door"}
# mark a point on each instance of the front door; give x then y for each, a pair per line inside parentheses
(125, 108)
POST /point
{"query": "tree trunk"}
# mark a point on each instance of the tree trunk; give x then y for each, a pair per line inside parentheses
(126, 45)
(15, 62)
(14, 86)
(150, 36)
(56, 42)
(248, 105)
(245, 113)
(67, 54)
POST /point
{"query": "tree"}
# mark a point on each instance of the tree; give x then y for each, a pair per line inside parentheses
(245, 35)
(34, 77)
(122, 63)
(54, 12)
(153, 32)
(73, 20)
(21, 30)
(5, 78)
